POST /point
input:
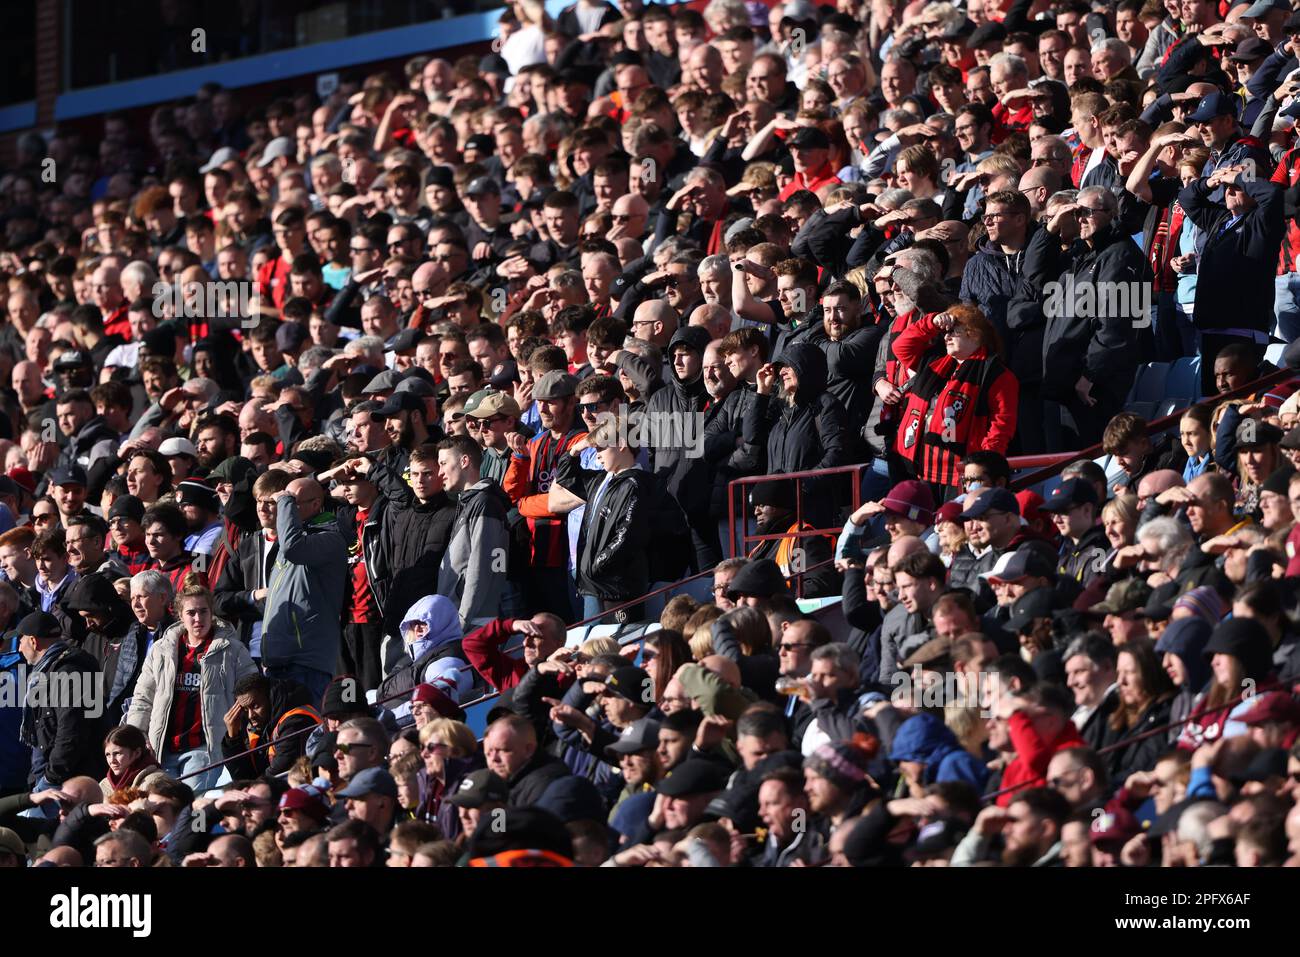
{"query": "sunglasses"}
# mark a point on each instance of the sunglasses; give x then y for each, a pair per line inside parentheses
(590, 408)
(346, 749)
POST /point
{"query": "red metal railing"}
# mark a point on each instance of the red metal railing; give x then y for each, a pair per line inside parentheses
(797, 477)
(1055, 463)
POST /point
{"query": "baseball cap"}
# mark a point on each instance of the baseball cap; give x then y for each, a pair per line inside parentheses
(223, 155)
(177, 445)
(810, 138)
(991, 500)
(384, 381)
(1070, 493)
(1023, 562)
(1250, 50)
(290, 336)
(370, 781)
(478, 788)
(442, 703)
(40, 624)
(1028, 607)
(1212, 105)
(405, 341)
(482, 141)
(488, 402)
(694, 776)
(1123, 597)
(630, 682)
(1252, 433)
(1117, 826)
(481, 185)
(986, 33)
(798, 11)
(398, 402)
(278, 148)
(1272, 706)
(640, 735)
(127, 506)
(934, 838)
(72, 359)
(231, 470)
(68, 475)
(301, 799)
(416, 385)
(1261, 8)
(555, 385)
(194, 492)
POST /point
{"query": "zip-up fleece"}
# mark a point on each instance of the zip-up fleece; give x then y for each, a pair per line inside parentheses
(304, 602)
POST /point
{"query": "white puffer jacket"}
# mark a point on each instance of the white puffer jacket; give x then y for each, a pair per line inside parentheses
(220, 669)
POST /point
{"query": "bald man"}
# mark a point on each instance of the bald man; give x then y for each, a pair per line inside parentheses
(713, 317)
(106, 293)
(631, 216)
(655, 321)
(1037, 184)
(24, 310)
(26, 380)
(704, 69)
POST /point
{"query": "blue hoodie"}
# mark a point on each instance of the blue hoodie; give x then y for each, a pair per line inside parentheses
(925, 739)
(449, 673)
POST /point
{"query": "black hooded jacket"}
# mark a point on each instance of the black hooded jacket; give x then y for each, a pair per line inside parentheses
(686, 474)
(809, 433)
(414, 536)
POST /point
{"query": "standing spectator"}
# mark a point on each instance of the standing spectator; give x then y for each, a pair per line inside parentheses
(187, 686)
(304, 600)
(474, 566)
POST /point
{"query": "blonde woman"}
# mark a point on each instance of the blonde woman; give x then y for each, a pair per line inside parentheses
(449, 752)
(186, 689)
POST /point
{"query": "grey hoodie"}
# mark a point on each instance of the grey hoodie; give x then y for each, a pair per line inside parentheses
(473, 572)
(309, 582)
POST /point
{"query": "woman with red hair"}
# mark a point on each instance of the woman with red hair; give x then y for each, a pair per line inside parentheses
(961, 397)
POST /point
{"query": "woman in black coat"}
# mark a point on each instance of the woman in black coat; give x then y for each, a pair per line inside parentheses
(1145, 699)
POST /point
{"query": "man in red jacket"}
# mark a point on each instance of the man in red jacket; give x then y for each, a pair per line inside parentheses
(543, 634)
(1040, 727)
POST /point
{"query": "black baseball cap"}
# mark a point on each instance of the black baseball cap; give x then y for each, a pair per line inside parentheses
(479, 788)
(40, 624)
(1068, 494)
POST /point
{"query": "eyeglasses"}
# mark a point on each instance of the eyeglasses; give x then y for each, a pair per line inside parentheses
(1088, 212)
(361, 249)
(590, 408)
(432, 747)
(647, 655)
(620, 218)
(793, 645)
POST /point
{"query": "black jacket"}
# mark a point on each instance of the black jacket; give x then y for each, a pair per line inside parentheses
(808, 434)
(1084, 338)
(243, 574)
(527, 784)
(725, 448)
(69, 741)
(685, 474)
(1131, 755)
(613, 560)
(850, 363)
(414, 538)
(1238, 262)
(757, 672)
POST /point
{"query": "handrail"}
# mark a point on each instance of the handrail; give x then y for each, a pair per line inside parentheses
(856, 469)
(1159, 425)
